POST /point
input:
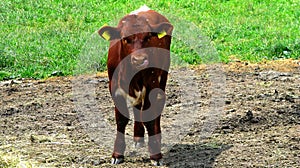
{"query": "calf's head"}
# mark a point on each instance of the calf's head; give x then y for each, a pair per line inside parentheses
(135, 33)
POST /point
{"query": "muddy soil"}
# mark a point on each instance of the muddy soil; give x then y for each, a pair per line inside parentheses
(235, 115)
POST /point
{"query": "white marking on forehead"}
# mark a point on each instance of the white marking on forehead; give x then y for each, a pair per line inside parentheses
(143, 8)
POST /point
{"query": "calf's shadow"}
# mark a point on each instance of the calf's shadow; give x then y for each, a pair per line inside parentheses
(196, 155)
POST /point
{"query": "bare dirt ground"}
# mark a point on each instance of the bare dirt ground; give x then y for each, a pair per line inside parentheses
(258, 125)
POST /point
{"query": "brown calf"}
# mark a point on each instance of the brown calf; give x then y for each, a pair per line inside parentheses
(138, 63)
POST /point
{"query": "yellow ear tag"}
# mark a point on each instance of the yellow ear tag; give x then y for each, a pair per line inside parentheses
(161, 34)
(106, 35)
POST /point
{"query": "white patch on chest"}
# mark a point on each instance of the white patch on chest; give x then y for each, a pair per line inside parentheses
(143, 8)
(133, 101)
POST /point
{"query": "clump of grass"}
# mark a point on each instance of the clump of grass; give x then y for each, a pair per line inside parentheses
(279, 50)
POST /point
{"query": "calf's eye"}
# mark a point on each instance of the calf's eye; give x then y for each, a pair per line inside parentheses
(127, 41)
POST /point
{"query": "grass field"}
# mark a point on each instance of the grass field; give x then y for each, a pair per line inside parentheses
(43, 38)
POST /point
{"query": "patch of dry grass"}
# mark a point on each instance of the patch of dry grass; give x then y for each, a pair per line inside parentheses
(13, 161)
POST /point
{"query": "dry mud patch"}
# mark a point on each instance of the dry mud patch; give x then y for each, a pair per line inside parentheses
(259, 125)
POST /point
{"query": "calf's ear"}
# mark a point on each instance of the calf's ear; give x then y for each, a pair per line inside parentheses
(163, 29)
(109, 33)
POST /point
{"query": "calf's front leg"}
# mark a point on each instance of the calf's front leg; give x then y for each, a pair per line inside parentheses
(122, 119)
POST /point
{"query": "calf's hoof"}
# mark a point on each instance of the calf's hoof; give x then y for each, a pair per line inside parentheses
(117, 160)
(156, 163)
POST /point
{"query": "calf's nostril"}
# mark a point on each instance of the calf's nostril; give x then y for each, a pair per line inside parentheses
(134, 60)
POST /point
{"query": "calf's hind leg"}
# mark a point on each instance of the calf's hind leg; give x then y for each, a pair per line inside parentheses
(139, 129)
(154, 143)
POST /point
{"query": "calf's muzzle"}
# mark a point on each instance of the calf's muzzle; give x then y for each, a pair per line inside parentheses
(139, 60)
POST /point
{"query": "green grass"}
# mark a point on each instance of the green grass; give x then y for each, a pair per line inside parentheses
(38, 38)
